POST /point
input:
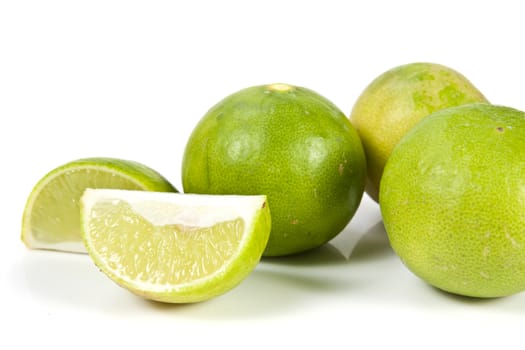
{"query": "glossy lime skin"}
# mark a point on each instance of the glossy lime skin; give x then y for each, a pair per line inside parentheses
(396, 101)
(453, 200)
(290, 144)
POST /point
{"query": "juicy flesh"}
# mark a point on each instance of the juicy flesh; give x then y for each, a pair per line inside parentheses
(167, 254)
(55, 212)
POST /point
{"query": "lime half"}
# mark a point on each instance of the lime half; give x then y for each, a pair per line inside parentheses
(51, 218)
(172, 247)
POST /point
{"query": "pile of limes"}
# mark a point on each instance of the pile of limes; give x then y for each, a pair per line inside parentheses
(278, 169)
(448, 169)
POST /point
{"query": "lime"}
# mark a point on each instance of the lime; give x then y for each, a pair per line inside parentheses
(453, 200)
(288, 143)
(396, 101)
(172, 247)
(51, 219)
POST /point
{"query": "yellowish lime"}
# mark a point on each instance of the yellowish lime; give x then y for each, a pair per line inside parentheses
(396, 101)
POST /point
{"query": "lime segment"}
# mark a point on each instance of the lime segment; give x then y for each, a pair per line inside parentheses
(174, 247)
(51, 218)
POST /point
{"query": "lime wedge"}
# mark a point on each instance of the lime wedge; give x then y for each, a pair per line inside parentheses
(51, 218)
(172, 247)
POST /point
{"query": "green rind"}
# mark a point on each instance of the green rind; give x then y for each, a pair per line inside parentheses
(227, 278)
(453, 200)
(149, 178)
(314, 176)
(143, 176)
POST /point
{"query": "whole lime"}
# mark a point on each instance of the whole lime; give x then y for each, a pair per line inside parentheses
(396, 101)
(453, 200)
(290, 144)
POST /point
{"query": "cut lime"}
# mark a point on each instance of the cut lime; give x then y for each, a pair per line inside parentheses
(172, 247)
(51, 218)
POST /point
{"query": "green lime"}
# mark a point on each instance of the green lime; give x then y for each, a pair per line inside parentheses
(288, 143)
(396, 101)
(453, 200)
(172, 247)
(51, 219)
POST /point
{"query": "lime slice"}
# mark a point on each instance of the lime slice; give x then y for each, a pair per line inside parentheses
(172, 247)
(51, 218)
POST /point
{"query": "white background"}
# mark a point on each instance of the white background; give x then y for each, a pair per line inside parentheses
(130, 79)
